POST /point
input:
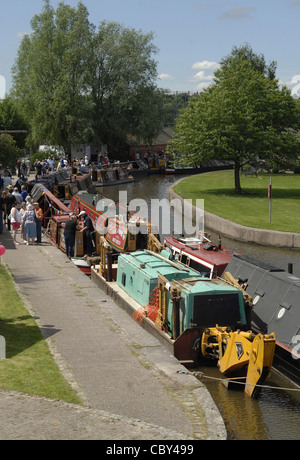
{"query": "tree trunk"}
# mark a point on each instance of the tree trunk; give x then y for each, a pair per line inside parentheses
(237, 179)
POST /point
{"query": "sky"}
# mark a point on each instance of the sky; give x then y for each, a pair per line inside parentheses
(192, 36)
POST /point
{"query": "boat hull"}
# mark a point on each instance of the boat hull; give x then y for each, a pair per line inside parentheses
(275, 295)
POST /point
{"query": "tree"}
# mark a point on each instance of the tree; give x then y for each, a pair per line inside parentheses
(79, 84)
(48, 77)
(9, 152)
(243, 116)
(11, 120)
(121, 74)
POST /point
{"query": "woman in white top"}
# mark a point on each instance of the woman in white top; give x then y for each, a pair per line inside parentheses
(15, 220)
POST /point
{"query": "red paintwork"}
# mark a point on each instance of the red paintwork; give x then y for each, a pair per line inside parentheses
(217, 259)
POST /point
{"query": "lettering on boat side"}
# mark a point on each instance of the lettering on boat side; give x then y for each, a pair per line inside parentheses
(154, 449)
(2, 87)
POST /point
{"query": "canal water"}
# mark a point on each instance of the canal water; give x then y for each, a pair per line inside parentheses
(275, 415)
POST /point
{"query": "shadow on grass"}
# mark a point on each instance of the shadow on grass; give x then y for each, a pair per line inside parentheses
(21, 333)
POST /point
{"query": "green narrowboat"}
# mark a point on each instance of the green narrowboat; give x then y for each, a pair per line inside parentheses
(180, 301)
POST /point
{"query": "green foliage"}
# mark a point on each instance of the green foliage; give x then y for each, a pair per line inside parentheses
(76, 84)
(12, 120)
(9, 152)
(173, 103)
(243, 116)
(121, 74)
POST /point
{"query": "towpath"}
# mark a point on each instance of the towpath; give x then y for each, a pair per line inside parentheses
(128, 381)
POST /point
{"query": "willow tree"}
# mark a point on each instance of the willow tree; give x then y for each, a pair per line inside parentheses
(121, 78)
(244, 116)
(78, 83)
(49, 73)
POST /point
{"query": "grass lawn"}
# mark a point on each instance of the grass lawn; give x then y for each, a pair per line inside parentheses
(251, 208)
(29, 366)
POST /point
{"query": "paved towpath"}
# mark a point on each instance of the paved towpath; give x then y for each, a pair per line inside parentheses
(128, 381)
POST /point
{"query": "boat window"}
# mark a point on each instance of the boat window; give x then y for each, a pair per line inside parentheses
(205, 271)
(281, 313)
(212, 309)
(183, 258)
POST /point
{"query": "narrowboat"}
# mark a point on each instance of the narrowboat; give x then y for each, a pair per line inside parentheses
(63, 184)
(183, 171)
(137, 169)
(185, 311)
(110, 176)
(213, 165)
(157, 165)
(151, 282)
(123, 231)
(200, 254)
(275, 307)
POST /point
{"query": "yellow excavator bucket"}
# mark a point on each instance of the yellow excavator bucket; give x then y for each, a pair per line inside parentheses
(241, 354)
(260, 363)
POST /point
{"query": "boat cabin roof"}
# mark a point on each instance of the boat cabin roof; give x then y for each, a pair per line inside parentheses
(207, 253)
(185, 278)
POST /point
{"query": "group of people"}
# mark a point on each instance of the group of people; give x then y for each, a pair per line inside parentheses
(72, 226)
(19, 212)
(23, 168)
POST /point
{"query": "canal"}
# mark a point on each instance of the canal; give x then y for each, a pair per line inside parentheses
(275, 415)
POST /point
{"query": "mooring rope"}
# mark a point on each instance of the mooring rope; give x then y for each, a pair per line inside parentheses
(218, 379)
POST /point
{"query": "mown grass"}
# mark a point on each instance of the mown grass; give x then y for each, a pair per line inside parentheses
(29, 366)
(252, 207)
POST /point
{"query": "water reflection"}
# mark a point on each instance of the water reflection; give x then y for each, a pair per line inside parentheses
(275, 415)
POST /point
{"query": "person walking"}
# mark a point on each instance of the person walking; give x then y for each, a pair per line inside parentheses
(15, 220)
(28, 166)
(29, 224)
(70, 230)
